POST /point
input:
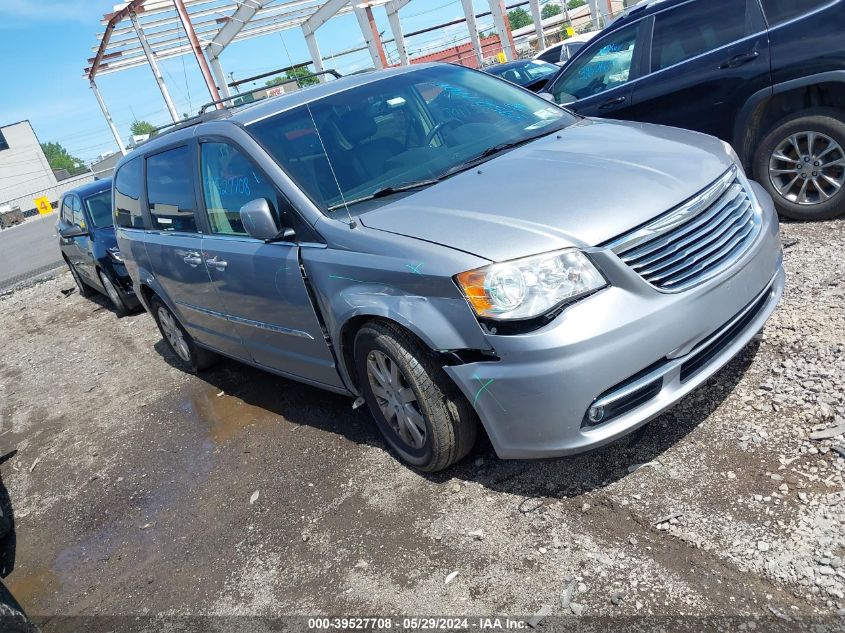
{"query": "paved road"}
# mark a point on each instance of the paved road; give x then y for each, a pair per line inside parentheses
(28, 249)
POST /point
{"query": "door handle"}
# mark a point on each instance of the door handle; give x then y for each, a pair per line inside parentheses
(612, 102)
(219, 264)
(193, 259)
(739, 60)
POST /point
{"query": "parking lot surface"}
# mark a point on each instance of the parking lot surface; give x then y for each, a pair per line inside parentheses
(139, 489)
(28, 249)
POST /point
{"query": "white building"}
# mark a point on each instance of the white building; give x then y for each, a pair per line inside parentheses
(23, 166)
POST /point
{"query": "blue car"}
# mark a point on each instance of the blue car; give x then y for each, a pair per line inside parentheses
(89, 247)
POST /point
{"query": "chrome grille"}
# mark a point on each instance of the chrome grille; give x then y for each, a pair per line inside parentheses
(695, 241)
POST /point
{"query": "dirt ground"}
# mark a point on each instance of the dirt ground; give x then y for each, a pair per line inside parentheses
(139, 489)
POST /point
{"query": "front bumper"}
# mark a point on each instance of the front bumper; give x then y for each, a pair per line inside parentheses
(534, 401)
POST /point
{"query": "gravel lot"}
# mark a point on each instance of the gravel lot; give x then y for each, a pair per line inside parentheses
(138, 489)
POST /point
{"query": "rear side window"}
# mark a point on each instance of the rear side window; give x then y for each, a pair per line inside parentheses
(127, 196)
(695, 28)
(778, 11)
(552, 55)
(170, 191)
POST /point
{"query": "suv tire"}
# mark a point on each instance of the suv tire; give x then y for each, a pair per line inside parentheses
(827, 127)
(412, 387)
(191, 356)
(120, 308)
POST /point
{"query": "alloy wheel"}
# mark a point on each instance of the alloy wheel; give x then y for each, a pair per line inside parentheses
(396, 399)
(807, 168)
(174, 334)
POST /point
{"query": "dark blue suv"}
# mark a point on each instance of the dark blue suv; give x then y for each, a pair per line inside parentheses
(89, 247)
(767, 76)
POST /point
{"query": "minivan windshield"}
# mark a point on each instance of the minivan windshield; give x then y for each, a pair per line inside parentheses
(404, 131)
(99, 207)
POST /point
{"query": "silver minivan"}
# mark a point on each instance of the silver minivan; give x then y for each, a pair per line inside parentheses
(450, 248)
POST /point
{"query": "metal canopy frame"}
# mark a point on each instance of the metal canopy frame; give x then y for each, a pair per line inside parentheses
(143, 32)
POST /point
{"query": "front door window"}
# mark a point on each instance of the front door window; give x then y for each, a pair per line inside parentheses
(607, 66)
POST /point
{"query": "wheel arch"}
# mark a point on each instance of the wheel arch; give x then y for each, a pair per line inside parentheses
(767, 107)
(350, 327)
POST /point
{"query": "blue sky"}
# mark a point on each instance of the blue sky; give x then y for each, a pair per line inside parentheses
(44, 45)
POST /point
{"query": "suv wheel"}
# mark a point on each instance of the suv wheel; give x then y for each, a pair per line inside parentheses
(418, 409)
(801, 163)
(192, 357)
(112, 293)
(84, 289)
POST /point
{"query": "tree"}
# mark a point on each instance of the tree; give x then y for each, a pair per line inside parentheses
(140, 128)
(519, 17)
(300, 73)
(550, 10)
(59, 158)
(574, 4)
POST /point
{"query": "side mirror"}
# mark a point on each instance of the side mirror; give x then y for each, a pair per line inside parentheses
(548, 96)
(260, 222)
(71, 231)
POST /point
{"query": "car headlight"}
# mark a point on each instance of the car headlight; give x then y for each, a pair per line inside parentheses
(529, 287)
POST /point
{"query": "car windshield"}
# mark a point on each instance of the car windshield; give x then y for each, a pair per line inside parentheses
(413, 127)
(524, 73)
(99, 207)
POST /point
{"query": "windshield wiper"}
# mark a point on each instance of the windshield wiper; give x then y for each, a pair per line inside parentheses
(490, 152)
(387, 191)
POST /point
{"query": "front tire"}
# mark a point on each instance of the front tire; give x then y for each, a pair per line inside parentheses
(801, 163)
(84, 289)
(420, 412)
(191, 356)
(120, 308)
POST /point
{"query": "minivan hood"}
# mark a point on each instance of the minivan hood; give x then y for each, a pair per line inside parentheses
(581, 187)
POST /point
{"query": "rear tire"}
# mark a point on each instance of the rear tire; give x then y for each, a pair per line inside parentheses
(120, 308)
(421, 413)
(803, 165)
(12, 617)
(84, 289)
(191, 356)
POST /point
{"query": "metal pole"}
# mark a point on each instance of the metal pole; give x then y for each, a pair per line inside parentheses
(154, 65)
(368, 27)
(398, 36)
(594, 13)
(195, 44)
(220, 76)
(314, 50)
(472, 26)
(108, 117)
(500, 18)
(538, 24)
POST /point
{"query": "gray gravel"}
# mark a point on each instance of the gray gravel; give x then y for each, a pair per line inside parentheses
(140, 499)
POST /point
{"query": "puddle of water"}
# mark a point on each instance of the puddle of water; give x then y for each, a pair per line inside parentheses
(224, 416)
(33, 589)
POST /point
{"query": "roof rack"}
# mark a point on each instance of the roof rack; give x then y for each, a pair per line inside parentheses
(194, 120)
(241, 95)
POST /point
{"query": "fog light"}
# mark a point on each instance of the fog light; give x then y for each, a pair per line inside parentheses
(596, 414)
